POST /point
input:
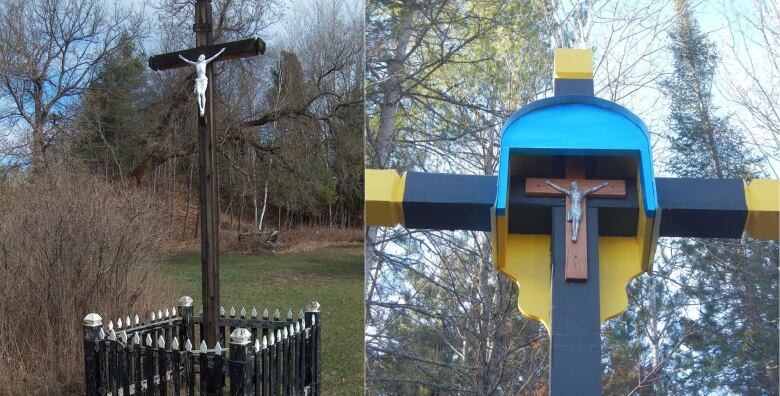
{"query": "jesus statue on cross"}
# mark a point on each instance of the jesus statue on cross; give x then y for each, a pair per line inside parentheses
(201, 81)
(574, 211)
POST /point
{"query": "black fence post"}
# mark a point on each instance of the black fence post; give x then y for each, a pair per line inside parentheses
(313, 321)
(189, 368)
(203, 360)
(92, 325)
(242, 359)
(137, 369)
(162, 364)
(272, 362)
(293, 359)
(219, 361)
(300, 359)
(264, 376)
(149, 368)
(126, 362)
(267, 320)
(187, 329)
(175, 357)
(113, 361)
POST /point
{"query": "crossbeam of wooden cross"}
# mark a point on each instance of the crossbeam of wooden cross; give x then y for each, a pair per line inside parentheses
(233, 50)
(695, 208)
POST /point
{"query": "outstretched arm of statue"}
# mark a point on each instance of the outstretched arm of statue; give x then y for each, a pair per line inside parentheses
(594, 189)
(557, 187)
(187, 60)
(215, 56)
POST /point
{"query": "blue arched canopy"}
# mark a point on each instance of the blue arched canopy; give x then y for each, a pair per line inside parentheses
(576, 125)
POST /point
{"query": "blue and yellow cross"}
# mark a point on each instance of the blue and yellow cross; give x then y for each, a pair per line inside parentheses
(574, 136)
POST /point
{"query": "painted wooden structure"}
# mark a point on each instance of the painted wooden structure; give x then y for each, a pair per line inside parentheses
(528, 232)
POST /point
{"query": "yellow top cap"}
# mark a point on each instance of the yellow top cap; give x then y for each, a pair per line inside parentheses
(576, 64)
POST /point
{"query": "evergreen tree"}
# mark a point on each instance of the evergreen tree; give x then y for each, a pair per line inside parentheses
(705, 321)
(114, 122)
(733, 344)
(705, 144)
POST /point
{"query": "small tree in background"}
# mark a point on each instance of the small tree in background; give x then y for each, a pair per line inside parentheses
(115, 115)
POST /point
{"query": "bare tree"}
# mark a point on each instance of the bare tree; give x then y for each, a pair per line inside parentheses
(291, 102)
(442, 78)
(49, 51)
(752, 78)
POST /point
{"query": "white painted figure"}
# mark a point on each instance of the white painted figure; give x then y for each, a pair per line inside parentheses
(201, 81)
(574, 212)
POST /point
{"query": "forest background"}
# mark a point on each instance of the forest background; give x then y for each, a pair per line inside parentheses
(443, 76)
(98, 158)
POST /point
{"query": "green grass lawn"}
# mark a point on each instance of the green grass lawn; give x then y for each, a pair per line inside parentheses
(332, 276)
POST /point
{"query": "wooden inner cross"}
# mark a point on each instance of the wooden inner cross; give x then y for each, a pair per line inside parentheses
(576, 248)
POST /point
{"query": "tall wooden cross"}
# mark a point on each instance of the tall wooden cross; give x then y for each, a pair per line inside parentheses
(207, 169)
(572, 287)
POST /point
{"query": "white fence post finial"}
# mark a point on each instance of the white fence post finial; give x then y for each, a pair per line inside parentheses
(313, 306)
(185, 301)
(240, 336)
(93, 320)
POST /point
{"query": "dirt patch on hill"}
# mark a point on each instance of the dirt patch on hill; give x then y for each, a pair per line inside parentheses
(300, 240)
(288, 241)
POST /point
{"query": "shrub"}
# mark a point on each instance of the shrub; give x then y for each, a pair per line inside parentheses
(70, 244)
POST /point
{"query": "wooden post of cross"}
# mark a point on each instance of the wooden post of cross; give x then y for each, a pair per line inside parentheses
(207, 141)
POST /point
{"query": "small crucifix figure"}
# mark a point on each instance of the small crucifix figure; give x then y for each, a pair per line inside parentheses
(574, 211)
(201, 81)
(576, 205)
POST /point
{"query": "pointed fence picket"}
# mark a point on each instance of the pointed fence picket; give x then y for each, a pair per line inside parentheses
(255, 356)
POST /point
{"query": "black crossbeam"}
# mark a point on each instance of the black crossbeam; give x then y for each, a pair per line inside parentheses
(703, 208)
(233, 50)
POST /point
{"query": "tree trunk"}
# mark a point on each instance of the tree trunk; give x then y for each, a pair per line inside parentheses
(265, 205)
(391, 92)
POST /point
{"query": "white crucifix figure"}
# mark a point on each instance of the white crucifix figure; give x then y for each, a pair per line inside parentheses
(574, 212)
(201, 81)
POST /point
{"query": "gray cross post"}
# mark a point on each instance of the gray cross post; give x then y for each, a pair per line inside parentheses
(207, 170)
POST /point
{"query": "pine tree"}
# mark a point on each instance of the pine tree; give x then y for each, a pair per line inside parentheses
(733, 345)
(705, 144)
(727, 342)
(114, 122)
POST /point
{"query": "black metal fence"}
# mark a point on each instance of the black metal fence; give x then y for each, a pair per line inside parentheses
(256, 355)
